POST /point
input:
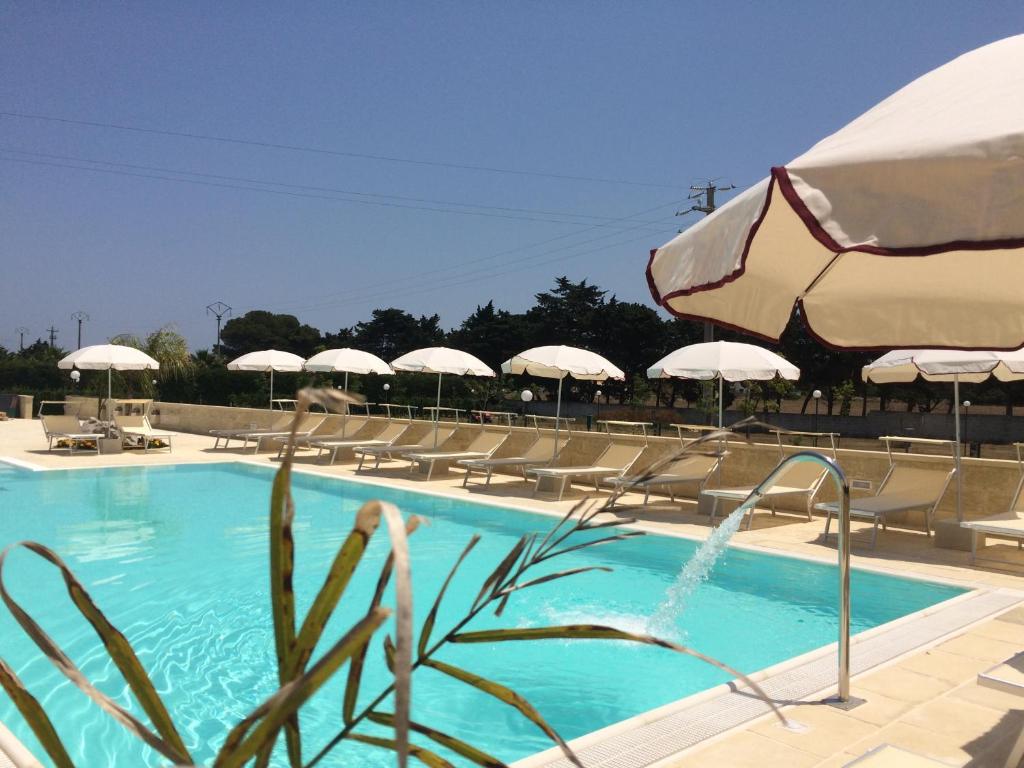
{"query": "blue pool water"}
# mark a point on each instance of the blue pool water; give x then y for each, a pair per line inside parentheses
(177, 558)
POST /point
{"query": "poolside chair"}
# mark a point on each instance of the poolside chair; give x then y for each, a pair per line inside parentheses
(280, 423)
(540, 452)
(904, 489)
(68, 429)
(139, 428)
(482, 446)
(614, 461)
(426, 443)
(686, 470)
(1006, 525)
(797, 479)
(348, 432)
(391, 433)
(308, 424)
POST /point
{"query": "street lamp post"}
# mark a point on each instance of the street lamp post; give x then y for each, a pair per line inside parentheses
(967, 412)
(387, 390)
(816, 394)
(526, 396)
(597, 397)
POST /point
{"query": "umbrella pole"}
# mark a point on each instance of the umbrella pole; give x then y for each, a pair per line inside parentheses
(437, 411)
(956, 454)
(558, 414)
(720, 407)
(271, 389)
(106, 409)
(344, 420)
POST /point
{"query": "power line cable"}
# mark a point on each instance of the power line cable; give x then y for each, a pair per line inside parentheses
(308, 187)
(333, 152)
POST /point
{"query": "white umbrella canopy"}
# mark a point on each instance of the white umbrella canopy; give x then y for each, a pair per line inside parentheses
(905, 365)
(347, 360)
(268, 360)
(933, 172)
(557, 362)
(107, 357)
(725, 361)
(441, 360)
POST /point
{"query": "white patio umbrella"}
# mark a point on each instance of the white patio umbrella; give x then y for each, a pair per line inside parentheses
(107, 357)
(347, 361)
(903, 229)
(725, 361)
(441, 360)
(557, 362)
(267, 360)
(905, 365)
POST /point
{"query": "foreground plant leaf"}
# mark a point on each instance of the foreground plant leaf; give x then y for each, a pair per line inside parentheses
(35, 716)
(425, 756)
(598, 632)
(458, 746)
(169, 742)
(428, 623)
(510, 697)
(261, 726)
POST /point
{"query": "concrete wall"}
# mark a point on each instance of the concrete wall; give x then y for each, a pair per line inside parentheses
(988, 483)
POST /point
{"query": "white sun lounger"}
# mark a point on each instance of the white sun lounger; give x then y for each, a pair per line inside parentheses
(139, 427)
(482, 446)
(686, 470)
(904, 489)
(614, 461)
(58, 427)
(1008, 677)
(1006, 525)
(540, 452)
(797, 479)
(308, 424)
(350, 431)
(426, 443)
(278, 425)
(391, 433)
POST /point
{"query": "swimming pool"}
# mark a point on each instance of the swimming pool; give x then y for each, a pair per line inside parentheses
(177, 558)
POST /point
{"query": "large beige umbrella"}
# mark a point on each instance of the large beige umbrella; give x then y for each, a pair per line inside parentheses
(725, 361)
(347, 361)
(904, 365)
(267, 361)
(903, 229)
(557, 362)
(441, 360)
(108, 357)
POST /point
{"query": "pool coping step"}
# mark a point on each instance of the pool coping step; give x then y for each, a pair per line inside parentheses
(662, 733)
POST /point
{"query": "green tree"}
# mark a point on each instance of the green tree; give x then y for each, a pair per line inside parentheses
(566, 314)
(260, 329)
(393, 332)
(493, 335)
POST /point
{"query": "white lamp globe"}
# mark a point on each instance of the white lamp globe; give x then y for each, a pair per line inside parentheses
(967, 403)
(76, 375)
(816, 394)
(526, 395)
(387, 387)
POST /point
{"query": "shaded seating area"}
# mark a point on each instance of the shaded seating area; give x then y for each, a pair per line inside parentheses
(904, 489)
(395, 449)
(308, 424)
(688, 470)
(277, 427)
(614, 461)
(1005, 525)
(482, 446)
(544, 450)
(136, 431)
(66, 431)
(800, 480)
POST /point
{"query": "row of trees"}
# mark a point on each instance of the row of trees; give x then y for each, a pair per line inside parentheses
(631, 335)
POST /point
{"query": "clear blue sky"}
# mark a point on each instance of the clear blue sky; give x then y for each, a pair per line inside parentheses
(662, 94)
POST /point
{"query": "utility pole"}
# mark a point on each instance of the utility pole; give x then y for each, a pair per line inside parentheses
(705, 194)
(21, 330)
(53, 336)
(79, 316)
(218, 309)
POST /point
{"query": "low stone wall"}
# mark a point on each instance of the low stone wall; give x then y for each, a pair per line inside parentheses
(988, 483)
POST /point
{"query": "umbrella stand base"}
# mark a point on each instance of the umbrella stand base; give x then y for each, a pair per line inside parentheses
(950, 535)
(424, 468)
(110, 445)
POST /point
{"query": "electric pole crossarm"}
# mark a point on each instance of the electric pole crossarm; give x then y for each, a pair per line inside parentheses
(218, 309)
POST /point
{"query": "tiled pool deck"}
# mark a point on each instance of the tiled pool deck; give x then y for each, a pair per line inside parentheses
(927, 701)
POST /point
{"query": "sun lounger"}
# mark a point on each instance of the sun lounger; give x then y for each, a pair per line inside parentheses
(308, 424)
(1006, 525)
(349, 432)
(797, 479)
(426, 443)
(904, 489)
(482, 446)
(888, 756)
(138, 427)
(278, 425)
(540, 452)
(614, 461)
(1008, 677)
(68, 429)
(686, 470)
(392, 432)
